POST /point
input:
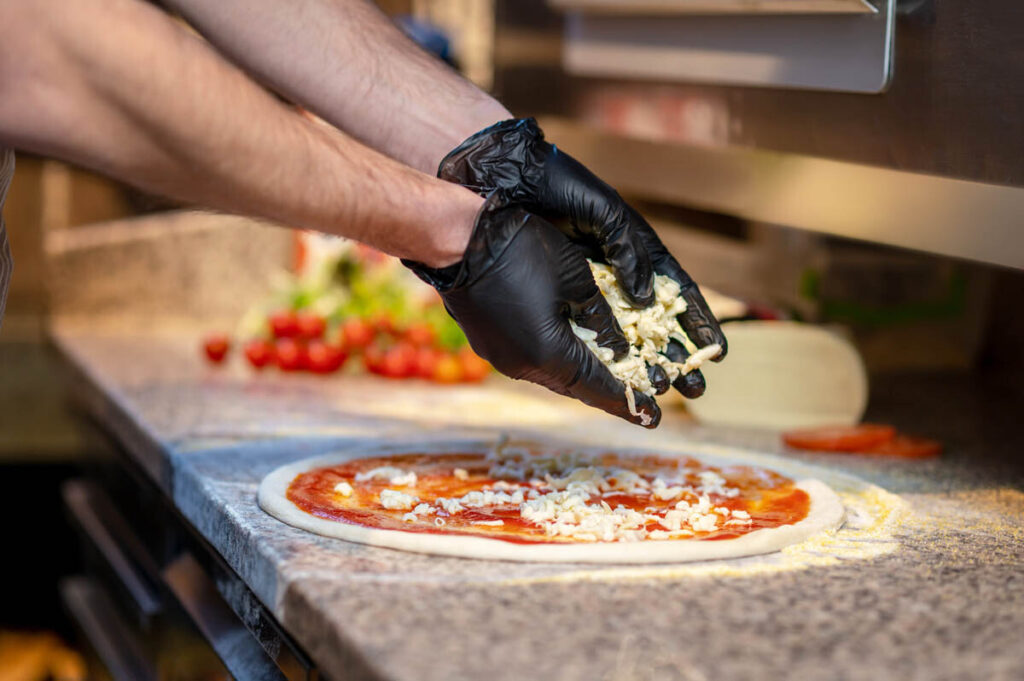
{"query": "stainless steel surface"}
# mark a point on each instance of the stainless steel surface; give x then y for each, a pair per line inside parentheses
(113, 641)
(107, 533)
(844, 52)
(718, 6)
(955, 106)
(950, 217)
(232, 642)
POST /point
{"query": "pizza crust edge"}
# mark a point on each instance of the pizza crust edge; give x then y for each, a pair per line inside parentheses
(826, 513)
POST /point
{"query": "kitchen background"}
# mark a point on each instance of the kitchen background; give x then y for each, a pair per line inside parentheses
(892, 216)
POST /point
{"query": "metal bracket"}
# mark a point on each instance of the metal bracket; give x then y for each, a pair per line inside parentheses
(108, 535)
(234, 645)
(824, 51)
(114, 642)
(718, 6)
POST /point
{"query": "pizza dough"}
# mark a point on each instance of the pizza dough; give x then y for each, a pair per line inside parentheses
(824, 513)
(784, 375)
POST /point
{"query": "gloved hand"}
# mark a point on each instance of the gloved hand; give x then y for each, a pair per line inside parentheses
(514, 292)
(513, 157)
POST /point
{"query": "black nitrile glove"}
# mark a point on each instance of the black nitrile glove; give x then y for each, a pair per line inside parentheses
(512, 156)
(518, 285)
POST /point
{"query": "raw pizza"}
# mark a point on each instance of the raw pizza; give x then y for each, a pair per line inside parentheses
(528, 504)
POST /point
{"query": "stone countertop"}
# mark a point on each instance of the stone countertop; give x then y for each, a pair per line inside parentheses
(946, 603)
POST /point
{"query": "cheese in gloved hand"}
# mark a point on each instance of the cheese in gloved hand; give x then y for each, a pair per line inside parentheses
(648, 331)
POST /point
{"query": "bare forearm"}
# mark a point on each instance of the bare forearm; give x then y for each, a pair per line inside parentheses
(347, 62)
(115, 85)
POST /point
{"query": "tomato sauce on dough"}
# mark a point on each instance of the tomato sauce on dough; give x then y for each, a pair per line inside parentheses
(770, 499)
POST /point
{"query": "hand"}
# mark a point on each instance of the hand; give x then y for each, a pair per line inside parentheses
(518, 285)
(512, 156)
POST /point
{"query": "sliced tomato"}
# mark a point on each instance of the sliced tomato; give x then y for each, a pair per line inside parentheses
(290, 354)
(310, 325)
(907, 447)
(357, 333)
(284, 324)
(259, 353)
(216, 347)
(324, 358)
(840, 438)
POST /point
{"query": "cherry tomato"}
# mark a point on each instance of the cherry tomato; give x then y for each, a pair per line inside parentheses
(382, 323)
(426, 360)
(259, 353)
(324, 358)
(310, 325)
(300, 254)
(357, 333)
(291, 354)
(907, 447)
(448, 369)
(840, 438)
(284, 324)
(474, 367)
(420, 335)
(373, 358)
(399, 361)
(216, 347)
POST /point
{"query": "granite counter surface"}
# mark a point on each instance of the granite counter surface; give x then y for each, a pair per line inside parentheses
(947, 603)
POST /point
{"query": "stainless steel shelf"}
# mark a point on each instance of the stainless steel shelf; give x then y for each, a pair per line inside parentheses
(112, 639)
(740, 44)
(718, 6)
(958, 218)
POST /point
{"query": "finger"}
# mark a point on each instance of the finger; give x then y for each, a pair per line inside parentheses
(698, 321)
(658, 378)
(595, 386)
(587, 307)
(603, 391)
(692, 384)
(627, 255)
(598, 212)
(595, 313)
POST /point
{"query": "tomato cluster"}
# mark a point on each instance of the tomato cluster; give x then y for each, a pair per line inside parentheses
(410, 352)
(298, 341)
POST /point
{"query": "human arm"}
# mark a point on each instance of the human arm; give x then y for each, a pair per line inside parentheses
(345, 61)
(117, 86)
(153, 105)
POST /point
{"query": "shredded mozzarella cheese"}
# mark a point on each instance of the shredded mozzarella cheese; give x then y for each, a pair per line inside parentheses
(571, 494)
(393, 474)
(344, 489)
(648, 331)
(395, 500)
